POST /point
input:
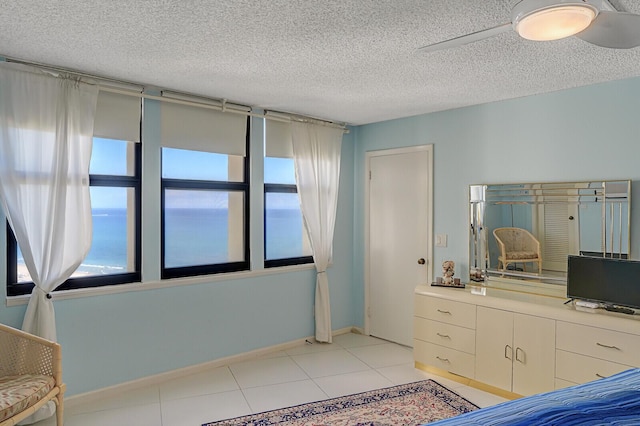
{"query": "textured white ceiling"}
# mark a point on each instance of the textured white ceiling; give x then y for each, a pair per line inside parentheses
(353, 61)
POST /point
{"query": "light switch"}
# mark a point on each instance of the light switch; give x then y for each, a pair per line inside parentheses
(441, 240)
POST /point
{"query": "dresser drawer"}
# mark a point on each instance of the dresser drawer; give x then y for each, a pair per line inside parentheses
(448, 311)
(578, 368)
(622, 348)
(448, 359)
(443, 334)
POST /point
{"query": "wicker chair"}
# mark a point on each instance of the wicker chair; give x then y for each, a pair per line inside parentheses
(30, 375)
(517, 245)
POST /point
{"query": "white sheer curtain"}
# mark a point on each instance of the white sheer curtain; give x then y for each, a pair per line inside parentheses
(46, 134)
(316, 154)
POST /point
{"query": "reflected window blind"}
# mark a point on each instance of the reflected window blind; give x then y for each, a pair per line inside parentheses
(556, 229)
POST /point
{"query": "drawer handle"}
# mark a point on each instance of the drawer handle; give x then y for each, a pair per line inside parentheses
(443, 359)
(600, 376)
(607, 346)
(444, 336)
(518, 350)
(444, 312)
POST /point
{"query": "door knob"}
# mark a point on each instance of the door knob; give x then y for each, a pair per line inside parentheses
(421, 261)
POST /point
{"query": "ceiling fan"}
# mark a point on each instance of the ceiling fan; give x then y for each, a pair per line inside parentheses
(594, 21)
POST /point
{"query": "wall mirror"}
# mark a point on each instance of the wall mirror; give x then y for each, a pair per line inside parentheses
(526, 231)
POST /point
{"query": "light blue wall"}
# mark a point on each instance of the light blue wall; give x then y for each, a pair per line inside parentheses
(112, 339)
(581, 134)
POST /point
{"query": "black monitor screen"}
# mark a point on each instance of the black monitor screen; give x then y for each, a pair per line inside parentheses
(599, 279)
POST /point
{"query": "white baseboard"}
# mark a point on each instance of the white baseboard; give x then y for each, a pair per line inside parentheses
(357, 330)
(156, 379)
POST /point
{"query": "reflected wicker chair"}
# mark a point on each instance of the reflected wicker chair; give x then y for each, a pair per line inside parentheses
(30, 375)
(517, 245)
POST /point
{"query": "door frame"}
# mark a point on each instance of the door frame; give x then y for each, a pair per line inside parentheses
(429, 220)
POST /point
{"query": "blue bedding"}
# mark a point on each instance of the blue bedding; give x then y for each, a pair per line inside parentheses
(611, 401)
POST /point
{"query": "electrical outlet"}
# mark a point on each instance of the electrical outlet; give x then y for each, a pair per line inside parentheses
(441, 240)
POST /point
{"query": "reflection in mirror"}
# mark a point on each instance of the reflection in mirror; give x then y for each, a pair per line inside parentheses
(526, 231)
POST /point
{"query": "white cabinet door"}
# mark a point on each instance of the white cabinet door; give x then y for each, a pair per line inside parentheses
(515, 352)
(534, 341)
(494, 347)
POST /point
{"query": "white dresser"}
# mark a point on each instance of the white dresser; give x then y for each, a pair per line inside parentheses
(513, 343)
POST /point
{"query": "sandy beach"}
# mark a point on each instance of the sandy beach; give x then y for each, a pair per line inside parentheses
(25, 276)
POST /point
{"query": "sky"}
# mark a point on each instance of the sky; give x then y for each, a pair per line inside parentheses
(109, 157)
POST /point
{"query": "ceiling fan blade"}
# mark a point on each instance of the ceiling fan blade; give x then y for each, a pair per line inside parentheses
(465, 39)
(616, 30)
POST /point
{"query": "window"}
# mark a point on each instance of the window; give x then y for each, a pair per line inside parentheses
(114, 257)
(285, 241)
(204, 200)
(205, 190)
(114, 179)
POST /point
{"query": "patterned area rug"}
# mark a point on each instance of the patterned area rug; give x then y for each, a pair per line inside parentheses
(410, 404)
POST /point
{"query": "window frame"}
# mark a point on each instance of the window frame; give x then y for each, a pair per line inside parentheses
(74, 283)
(280, 188)
(209, 185)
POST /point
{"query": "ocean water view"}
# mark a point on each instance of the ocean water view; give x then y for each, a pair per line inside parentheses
(193, 237)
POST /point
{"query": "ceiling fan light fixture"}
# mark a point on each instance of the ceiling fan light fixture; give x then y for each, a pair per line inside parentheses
(544, 20)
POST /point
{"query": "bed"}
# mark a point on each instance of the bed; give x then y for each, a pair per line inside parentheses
(614, 400)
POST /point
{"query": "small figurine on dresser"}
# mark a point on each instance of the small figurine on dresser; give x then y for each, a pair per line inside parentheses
(447, 280)
(448, 272)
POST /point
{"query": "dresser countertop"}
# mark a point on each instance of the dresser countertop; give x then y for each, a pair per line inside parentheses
(547, 306)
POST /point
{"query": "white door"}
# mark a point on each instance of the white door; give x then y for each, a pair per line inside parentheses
(398, 253)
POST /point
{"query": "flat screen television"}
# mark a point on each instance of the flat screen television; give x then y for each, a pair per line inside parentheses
(614, 282)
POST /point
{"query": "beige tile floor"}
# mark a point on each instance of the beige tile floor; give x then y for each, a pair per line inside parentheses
(311, 372)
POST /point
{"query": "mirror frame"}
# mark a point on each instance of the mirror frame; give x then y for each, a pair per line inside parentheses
(611, 197)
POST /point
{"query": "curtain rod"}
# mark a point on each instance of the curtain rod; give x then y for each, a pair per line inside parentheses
(120, 86)
(289, 117)
(99, 79)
